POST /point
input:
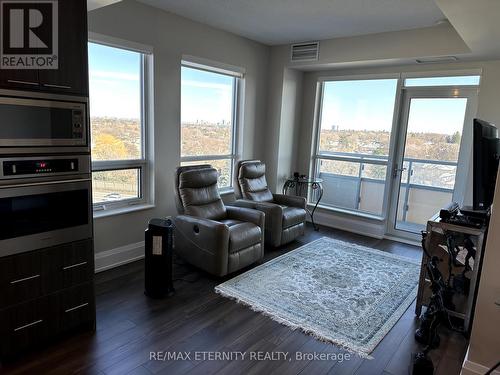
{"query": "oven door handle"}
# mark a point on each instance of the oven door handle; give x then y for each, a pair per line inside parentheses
(46, 183)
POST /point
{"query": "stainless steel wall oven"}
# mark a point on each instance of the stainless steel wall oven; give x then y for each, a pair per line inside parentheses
(44, 201)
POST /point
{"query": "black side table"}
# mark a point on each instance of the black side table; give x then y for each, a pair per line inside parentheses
(159, 242)
(300, 186)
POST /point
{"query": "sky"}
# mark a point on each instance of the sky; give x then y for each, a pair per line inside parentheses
(115, 82)
(206, 96)
(369, 105)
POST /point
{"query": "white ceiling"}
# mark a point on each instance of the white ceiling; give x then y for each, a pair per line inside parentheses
(96, 4)
(286, 21)
(477, 23)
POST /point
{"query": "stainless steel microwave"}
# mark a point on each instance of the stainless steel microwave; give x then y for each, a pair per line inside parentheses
(31, 124)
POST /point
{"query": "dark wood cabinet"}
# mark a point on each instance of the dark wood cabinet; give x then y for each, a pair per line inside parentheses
(71, 77)
(45, 294)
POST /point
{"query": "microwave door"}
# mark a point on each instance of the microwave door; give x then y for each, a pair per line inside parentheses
(34, 122)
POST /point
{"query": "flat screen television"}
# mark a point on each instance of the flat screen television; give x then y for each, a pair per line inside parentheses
(486, 151)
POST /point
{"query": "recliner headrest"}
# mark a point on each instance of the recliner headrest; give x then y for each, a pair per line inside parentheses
(252, 170)
(198, 178)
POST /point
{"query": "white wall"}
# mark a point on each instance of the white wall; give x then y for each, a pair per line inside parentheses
(271, 131)
(389, 48)
(291, 104)
(484, 347)
(172, 37)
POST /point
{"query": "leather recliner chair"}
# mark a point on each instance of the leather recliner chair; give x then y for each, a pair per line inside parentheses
(285, 215)
(216, 238)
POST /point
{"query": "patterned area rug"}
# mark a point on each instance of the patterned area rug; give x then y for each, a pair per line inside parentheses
(339, 292)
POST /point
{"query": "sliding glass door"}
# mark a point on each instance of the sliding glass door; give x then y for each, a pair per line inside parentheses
(430, 168)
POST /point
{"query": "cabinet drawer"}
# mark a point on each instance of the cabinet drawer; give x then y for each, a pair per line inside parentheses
(26, 325)
(21, 278)
(77, 307)
(68, 265)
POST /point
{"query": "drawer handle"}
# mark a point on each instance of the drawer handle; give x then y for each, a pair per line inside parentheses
(25, 279)
(76, 307)
(23, 82)
(28, 325)
(74, 266)
(56, 86)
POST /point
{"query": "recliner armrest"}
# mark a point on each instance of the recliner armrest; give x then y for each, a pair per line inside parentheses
(207, 235)
(246, 214)
(290, 200)
(247, 203)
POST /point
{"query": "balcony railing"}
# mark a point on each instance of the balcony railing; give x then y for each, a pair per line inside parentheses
(357, 182)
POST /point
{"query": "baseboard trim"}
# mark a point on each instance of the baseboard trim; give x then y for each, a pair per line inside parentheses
(374, 229)
(403, 240)
(119, 256)
(473, 368)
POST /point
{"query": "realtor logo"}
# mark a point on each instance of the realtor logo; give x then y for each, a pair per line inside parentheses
(29, 34)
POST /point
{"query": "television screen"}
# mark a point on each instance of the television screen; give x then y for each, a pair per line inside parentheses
(485, 158)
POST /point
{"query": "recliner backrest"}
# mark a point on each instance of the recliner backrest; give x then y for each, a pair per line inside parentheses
(252, 181)
(198, 194)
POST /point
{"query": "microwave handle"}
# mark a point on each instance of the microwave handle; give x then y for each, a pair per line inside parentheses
(46, 183)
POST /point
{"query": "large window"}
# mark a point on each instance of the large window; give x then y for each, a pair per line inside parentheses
(209, 110)
(424, 164)
(353, 142)
(118, 126)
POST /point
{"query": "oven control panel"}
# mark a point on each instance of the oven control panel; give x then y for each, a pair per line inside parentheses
(78, 122)
(38, 166)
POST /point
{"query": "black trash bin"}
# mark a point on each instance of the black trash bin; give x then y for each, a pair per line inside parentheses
(158, 254)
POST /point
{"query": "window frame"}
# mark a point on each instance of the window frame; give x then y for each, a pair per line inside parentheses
(143, 164)
(237, 75)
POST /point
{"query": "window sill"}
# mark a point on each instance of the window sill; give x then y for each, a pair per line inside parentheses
(226, 192)
(363, 215)
(122, 210)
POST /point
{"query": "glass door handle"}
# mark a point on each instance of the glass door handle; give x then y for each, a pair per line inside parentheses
(398, 170)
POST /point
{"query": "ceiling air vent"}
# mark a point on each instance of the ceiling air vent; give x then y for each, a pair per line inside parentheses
(436, 59)
(305, 51)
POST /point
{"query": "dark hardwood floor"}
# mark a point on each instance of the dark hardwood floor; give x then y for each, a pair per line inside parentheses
(130, 326)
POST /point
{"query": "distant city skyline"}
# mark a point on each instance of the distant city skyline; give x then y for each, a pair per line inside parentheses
(368, 105)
